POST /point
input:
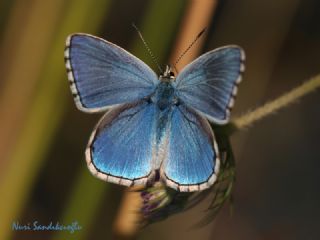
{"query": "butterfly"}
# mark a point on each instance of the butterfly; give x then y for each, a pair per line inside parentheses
(157, 127)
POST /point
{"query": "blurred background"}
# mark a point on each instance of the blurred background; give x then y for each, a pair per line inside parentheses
(43, 174)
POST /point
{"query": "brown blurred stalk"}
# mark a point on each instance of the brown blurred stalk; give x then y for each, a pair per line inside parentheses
(197, 16)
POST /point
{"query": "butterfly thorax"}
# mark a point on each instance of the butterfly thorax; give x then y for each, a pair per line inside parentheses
(164, 96)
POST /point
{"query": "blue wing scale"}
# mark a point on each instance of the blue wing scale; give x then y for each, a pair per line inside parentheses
(209, 83)
(103, 75)
(192, 161)
(121, 149)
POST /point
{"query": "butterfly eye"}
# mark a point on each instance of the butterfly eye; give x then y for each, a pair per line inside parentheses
(171, 74)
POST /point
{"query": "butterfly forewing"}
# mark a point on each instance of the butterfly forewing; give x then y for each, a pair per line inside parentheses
(209, 83)
(102, 74)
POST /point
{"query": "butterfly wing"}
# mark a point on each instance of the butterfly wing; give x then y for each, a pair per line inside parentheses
(102, 74)
(192, 160)
(209, 83)
(121, 149)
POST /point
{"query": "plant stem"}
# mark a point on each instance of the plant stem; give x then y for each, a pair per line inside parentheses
(271, 107)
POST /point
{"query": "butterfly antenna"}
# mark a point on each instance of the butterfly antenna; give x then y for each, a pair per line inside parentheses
(154, 59)
(193, 42)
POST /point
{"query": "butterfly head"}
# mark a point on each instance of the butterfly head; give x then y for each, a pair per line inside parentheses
(168, 74)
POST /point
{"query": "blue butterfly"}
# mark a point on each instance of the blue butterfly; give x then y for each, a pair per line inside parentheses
(157, 127)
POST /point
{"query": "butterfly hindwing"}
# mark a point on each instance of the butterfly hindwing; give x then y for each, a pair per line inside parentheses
(121, 149)
(192, 161)
(102, 75)
(209, 83)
